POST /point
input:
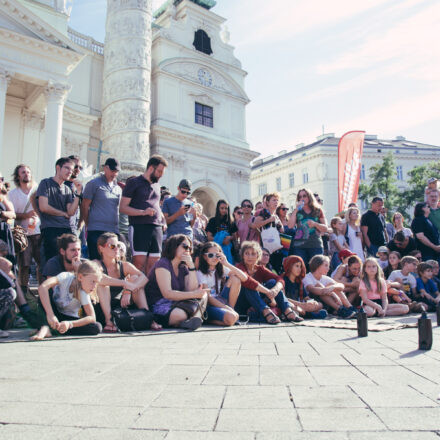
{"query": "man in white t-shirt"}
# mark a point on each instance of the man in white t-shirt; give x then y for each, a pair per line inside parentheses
(28, 219)
(325, 289)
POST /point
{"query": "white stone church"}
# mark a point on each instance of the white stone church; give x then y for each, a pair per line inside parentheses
(169, 84)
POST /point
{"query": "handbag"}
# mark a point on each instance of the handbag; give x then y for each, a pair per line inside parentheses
(285, 241)
(20, 239)
(132, 320)
(192, 306)
(271, 239)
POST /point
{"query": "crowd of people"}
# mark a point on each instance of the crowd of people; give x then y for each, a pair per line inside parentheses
(114, 246)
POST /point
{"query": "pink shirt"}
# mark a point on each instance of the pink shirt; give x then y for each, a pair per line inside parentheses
(244, 231)
(373, 293)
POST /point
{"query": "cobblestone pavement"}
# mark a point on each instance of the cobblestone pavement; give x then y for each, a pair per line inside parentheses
(241, 383)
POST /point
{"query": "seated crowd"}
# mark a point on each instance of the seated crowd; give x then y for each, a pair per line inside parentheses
(182, 269)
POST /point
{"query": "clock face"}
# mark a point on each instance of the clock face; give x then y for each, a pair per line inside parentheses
(205, 77)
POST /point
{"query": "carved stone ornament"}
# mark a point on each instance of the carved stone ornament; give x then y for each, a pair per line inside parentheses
(56, 92)
(177, 161)
(32, 120)
(5, 79)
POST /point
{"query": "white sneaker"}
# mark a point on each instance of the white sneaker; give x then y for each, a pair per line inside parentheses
(4, 334)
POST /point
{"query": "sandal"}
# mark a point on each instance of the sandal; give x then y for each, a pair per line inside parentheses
(271, 318)
(109, 328)
(292, 316)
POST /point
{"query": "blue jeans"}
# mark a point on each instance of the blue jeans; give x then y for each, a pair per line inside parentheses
(252, 298)
(306, 253)
(372, 250)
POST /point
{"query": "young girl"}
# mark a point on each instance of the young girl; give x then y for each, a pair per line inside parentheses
(373, 291)
(337, 241)
(294, 273)
(214, 269)
(353, 232)
(393, 263)
(70, 293)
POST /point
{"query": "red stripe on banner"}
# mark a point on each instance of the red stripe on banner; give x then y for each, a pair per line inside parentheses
(349, 167)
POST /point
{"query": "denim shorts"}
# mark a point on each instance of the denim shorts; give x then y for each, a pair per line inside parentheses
(215, 313)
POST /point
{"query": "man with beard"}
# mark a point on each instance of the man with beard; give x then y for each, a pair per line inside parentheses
(28, 219)
(56, 204)
(69, 251)
(141, 202)
(75, 222)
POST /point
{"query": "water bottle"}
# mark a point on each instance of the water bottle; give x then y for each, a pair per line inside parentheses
(438, 314)
(362, 323)
(425, 332)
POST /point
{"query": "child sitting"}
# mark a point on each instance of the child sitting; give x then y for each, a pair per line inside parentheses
(393, 263)
(435, 270)
(71, 292)
(373, 291)
(382, 257)
(427, 291)
(294, 273)
(317, 283)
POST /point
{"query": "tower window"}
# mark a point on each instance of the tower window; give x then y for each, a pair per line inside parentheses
(202, 42)
(204, 115)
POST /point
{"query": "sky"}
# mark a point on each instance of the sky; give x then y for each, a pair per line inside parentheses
(319, 66)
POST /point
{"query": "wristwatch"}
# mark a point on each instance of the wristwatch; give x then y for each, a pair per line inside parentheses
(191, 268)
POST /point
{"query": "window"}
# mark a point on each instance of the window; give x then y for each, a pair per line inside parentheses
(291, 180)
(262, 189)
(204, 115)
(278, 183)
(399, 172)
(202, 42)
(362, 172)
(305, 176)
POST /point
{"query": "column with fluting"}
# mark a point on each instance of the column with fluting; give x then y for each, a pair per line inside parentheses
(126, 88)
(56, 94)
(5, 79)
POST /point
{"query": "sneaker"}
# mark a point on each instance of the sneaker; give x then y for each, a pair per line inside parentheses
(353, 312)
(322, 314)
(192, 323)
(346, 313)
(4, 334)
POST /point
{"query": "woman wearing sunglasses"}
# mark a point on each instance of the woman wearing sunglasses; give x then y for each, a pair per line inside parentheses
(117, 296)
(224, 282)
(173, 279)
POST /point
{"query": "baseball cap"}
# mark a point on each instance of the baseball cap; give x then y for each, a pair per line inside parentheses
(432, 180)
(383, 249)
(345, 253)
(185, 183)
(113, 164)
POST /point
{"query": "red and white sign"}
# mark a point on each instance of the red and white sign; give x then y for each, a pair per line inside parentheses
(349, 167)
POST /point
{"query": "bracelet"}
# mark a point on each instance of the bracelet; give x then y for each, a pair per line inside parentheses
(191, 268)
(128, 291)
(71, 325)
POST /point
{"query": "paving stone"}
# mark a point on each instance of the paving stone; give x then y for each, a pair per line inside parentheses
(338, 376)
(386, 375)
(411, 419)
(33, 413)
(186, 419)
(179, 374)
(316, 360)
(190, 396)
(391, 396)
(26, 432)
(185, 435)
(118, 434)
(302, 436)
(396, 435)
(234, 420)
(270, 397)
(282, 360)
(239, 359)
(232, 375)
(339, 419)
(325, 397)
(274, 375)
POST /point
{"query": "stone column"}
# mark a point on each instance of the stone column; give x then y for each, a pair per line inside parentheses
(126, 88)
(56, 94)
(5, 79)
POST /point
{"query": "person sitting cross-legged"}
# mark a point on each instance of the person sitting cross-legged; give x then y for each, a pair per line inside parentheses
(325, 289)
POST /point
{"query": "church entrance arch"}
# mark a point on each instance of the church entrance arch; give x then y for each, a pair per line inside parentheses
(208, 198)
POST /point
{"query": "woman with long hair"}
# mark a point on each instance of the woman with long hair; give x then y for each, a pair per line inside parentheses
(399, 226)
(310, 223)
(353, 232)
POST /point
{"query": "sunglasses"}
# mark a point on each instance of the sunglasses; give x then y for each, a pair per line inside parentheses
(112, 246)
(239, 212)
(183, 191)
(246, 206)
(211, 255)
(186, 247)
(284, 209)
(78, 167)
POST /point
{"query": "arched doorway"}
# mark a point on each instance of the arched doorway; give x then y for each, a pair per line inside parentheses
(208, 198)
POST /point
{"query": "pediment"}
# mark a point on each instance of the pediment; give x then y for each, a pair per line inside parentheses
(190, 69)
(15, 17)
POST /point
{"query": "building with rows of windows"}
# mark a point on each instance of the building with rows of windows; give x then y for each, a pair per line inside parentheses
(315, 166)
(62, 93)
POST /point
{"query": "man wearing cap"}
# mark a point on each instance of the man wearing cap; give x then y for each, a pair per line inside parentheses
(179, 211)
(100, 206)
(432, 183)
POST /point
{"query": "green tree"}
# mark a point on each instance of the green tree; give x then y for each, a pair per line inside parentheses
(382, 183)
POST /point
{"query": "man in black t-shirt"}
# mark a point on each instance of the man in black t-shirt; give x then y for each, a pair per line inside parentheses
(141, 202)
(373, 227)
(402, 244)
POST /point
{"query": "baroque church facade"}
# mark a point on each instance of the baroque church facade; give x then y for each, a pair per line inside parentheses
(168, 84)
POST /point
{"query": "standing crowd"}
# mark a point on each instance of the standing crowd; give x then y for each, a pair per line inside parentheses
(117, 256)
